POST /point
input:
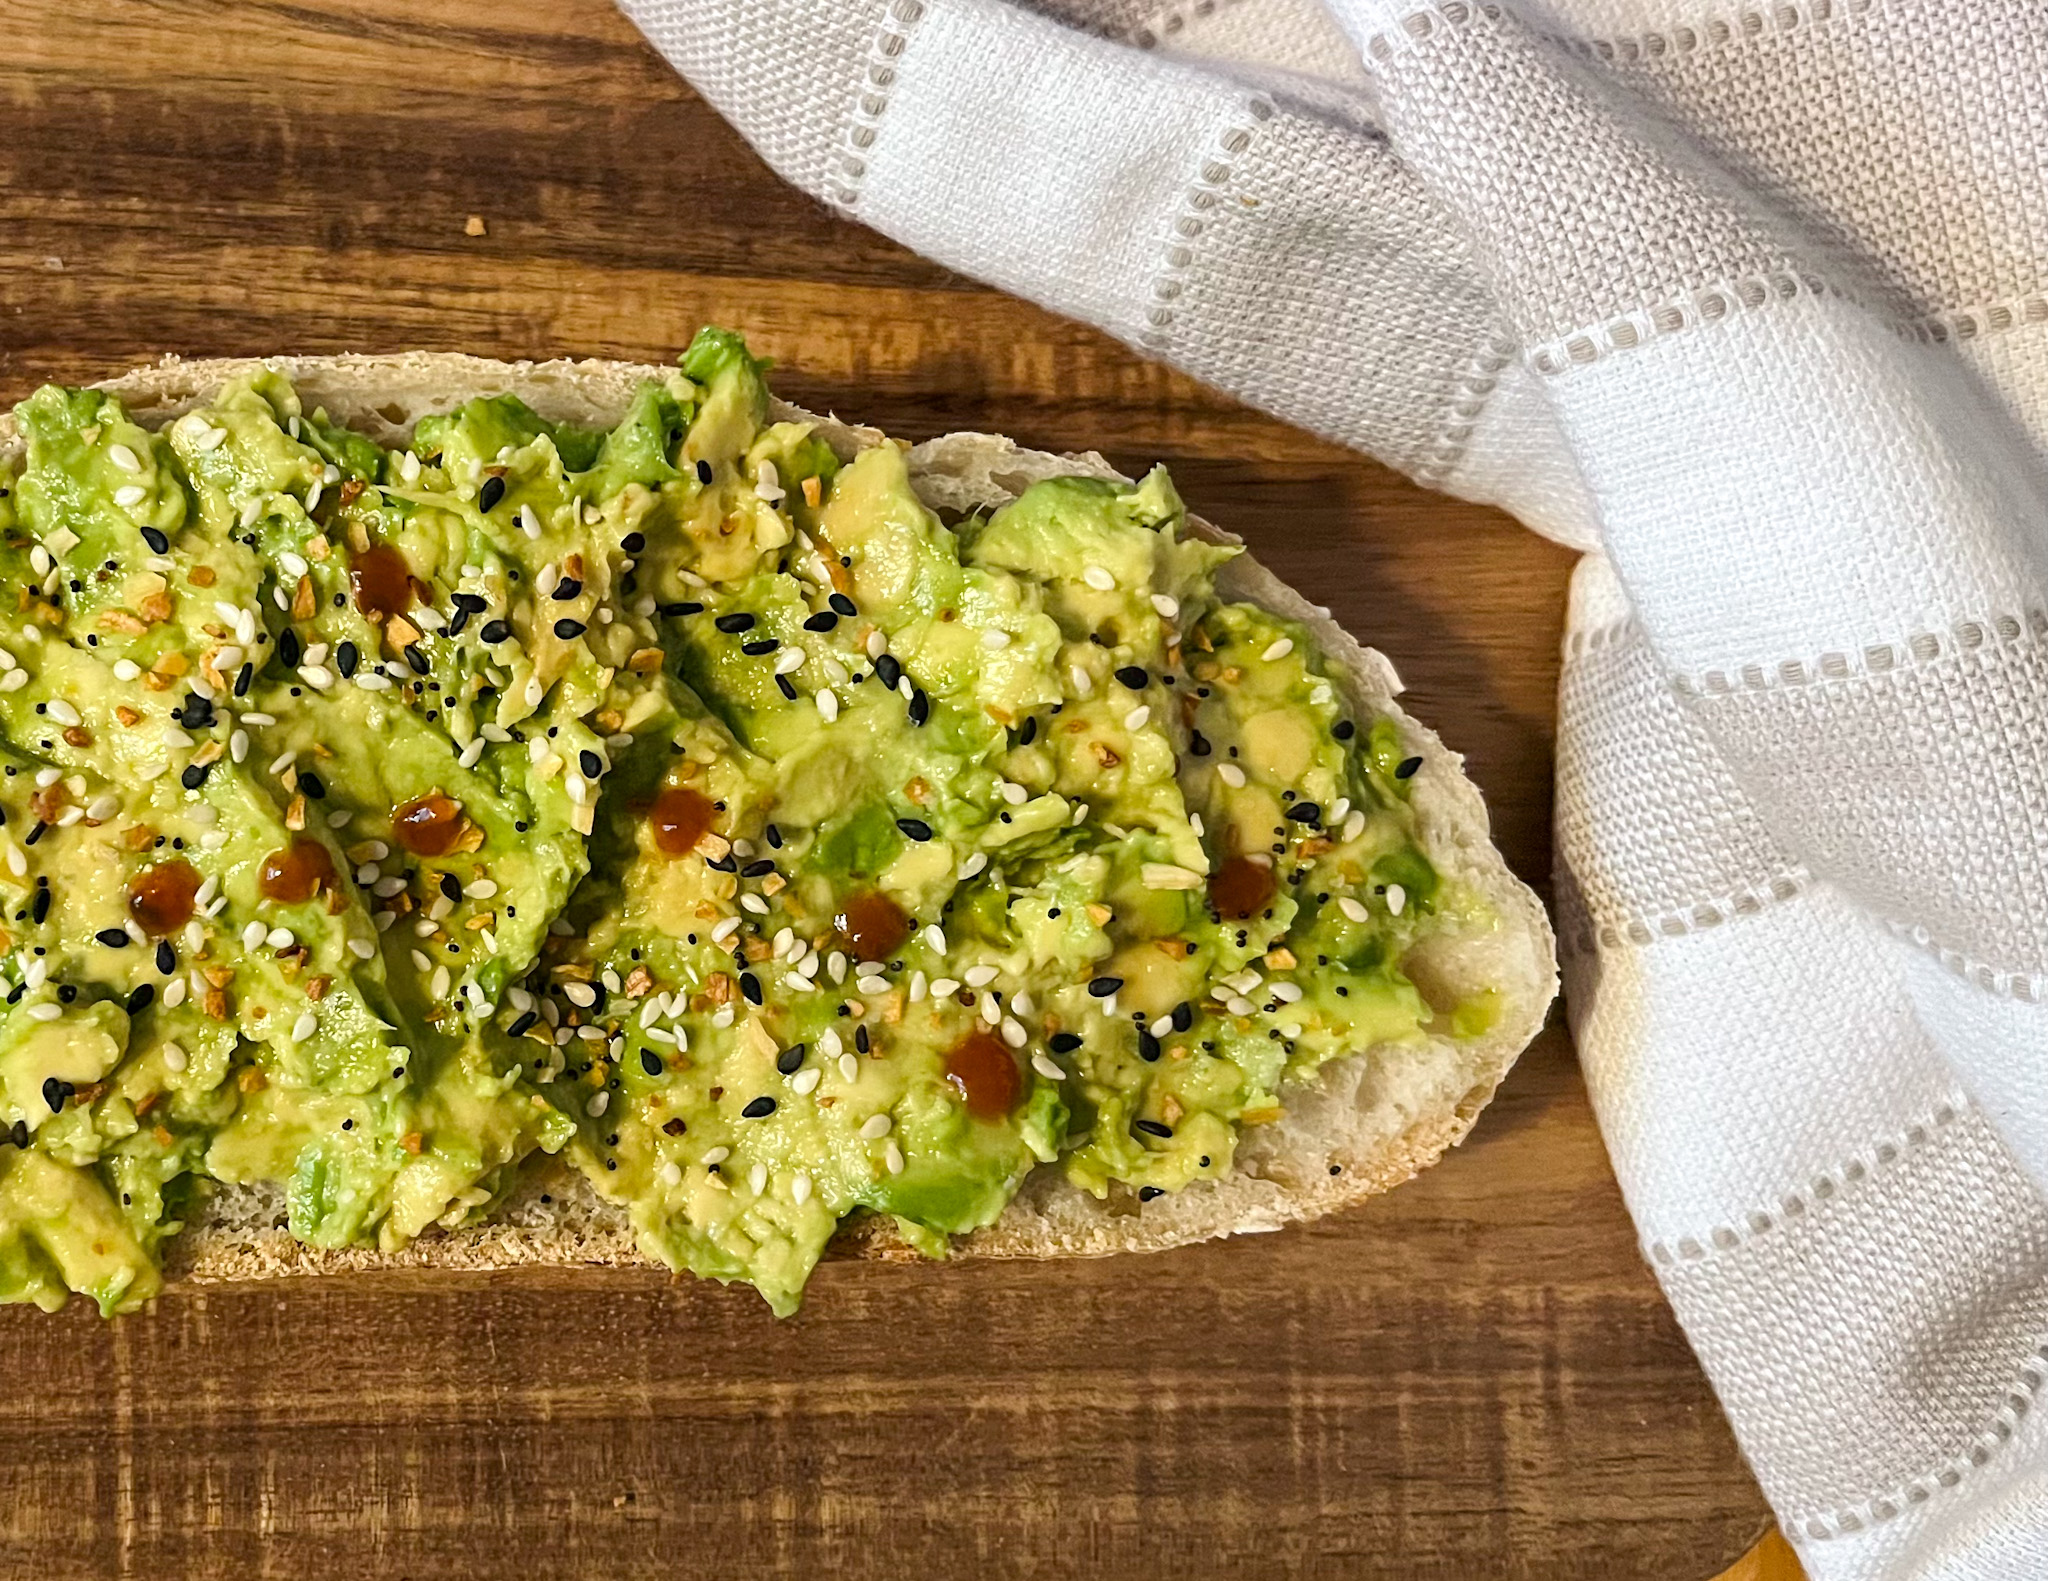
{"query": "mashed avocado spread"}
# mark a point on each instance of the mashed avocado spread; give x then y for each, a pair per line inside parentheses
(677, 798)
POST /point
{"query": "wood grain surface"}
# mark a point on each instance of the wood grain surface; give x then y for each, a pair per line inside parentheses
(1474, 1377)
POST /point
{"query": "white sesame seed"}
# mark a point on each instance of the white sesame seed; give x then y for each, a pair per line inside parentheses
(1354, 826)
(126, 669)
(103, 807)
(995, 639)
(991, 1012)
(717, 1155)
(130, 495)
(800, 1188)
(36, 972)
(872, 985)
(252, 936)
(15, 680)
(317, 676)
(581, 995)
(892, 1156)
(876, 644)
(1013, 793)
(45, 1012)
(1343, 806)
(1137, 718)
(1080, 813)
(1279, 649)
(61, 711)
(305, 1026)
(212, 439)
(670, 1173)
(835, 963)
(313, 497)
(1042, 1062)
(935, 936)
(979, 976)
(17, 861)
(757, 1179)
(806, 1080)
(944, 987)
(973, 865)
(1287, 993)
(1397, 897)
(1239, 1006)
(124, 458)
(1231, 775)
(1167, 875)
(280, 938)
(828, 704)
(1166, 607)
(875, 1127)
(1107, 1007)
(174, 993)
(725, 930)
(849, 1068)
(1083, 682)
(481, 889)
(1099, 579)
(791, 661)
(600, 1102)
(529, 523)
(1014, 1033)
(755, 904)
(829, 1044)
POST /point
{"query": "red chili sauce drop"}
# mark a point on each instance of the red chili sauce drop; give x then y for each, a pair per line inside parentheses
(297, 873)
(984, 1072)
(680, 817)
(161, 897)
(1241, 888)
(428, 825)
(873, 924)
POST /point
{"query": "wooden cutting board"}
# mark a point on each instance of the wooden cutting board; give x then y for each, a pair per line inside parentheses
(1473, 1377)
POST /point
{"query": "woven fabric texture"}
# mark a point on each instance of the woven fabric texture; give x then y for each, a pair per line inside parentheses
(1750, 302)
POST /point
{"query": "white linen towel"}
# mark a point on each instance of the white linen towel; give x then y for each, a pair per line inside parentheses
(1750, 302)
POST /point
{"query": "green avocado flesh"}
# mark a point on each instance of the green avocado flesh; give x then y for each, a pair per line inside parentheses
(679, 799)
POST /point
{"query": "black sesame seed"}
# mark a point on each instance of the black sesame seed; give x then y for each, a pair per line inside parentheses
(650, 1062)
(193, 777)
(591, 764)
(915, 828)
(469, 603)
(139, 1000)
(18, 1133)
(1305, 812)
(750, 985)
(415, 659)
(525, 1022)
(1029, 733)
(1198, 744)
(1147, 1193)
(345, 659)
(54, 1093)
(1133, 676)
(759, 869)
(488, 496)
(687, 606)
(41, 908)
(704, 472)
(310, 783)
(1406, 768)
(1344, 730)
(761, 645)
(889, 670)
(824, 620)
(774, 836)
(784, 685)
(495, 632)
(791, 1059)
(451, 886)
(1103, 987)
(1148, 1046)
(166, 957)
(759, 1109)
(1153, 1127)
(920, 706)
(724, 864)
(113, 938)
(158, 543)
(844, 605)
(1183, 1016)
(860, 1039)
(732, 624)
(1064, 1042)
(288, 648)
(567, 589)
(569, 630)
(633, 542)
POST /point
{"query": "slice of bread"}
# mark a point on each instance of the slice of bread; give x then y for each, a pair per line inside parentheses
(1370, 1121)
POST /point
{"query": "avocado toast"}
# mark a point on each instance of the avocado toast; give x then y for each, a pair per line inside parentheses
(471, 813)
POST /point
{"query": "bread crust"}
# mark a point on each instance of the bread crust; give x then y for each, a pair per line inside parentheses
(1369, 1121)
